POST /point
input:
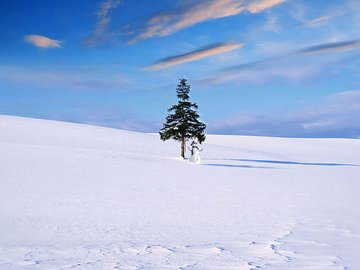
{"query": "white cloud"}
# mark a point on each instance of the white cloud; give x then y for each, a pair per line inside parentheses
(42, 42)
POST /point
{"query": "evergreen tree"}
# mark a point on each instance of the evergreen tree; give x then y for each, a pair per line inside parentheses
(182, 122)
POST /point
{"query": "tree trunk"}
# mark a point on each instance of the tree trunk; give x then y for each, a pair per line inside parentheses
(183, 142)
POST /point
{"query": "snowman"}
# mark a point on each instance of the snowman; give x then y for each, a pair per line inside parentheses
(195, 153)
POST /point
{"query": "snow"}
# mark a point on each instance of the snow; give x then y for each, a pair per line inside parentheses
(85, 197)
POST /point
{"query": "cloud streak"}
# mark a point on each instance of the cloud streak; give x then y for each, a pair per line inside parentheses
(261, 66)
(103, 20)
(325, 47)
(42, 42)
(261, 5)
(170, 21)
(69, 80)
(331, 47)
(320, 20)
(201, 53)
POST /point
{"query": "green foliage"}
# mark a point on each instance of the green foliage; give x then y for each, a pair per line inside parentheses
(182, 122)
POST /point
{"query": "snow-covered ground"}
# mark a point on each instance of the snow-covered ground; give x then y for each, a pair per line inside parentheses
(85, 197)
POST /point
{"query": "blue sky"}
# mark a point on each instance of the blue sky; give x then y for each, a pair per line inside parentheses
(257, 67)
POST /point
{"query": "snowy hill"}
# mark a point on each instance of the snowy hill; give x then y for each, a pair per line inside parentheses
(86, 197)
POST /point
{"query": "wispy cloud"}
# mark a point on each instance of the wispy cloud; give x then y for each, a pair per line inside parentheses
(272, 67)
(68, 80)
(272, 24)
(320, 48)
(335, 116)
(260, 5)
(194, 12)
(194, 55)
(320, 20)
(261, 75)
(103, 20)
(42, 42)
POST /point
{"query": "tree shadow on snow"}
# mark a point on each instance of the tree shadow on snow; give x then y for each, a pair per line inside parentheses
(237, 166)
(293, 162)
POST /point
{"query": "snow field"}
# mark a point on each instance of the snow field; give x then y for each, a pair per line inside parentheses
(84, 197)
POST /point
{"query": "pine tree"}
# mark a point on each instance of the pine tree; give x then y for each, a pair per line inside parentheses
(182, 122)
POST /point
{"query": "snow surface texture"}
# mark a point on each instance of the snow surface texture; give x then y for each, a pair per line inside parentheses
(83, 197)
